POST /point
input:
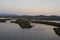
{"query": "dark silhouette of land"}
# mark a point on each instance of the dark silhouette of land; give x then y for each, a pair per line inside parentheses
(39, 17)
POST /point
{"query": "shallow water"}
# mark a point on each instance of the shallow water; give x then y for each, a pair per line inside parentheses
(12, 31)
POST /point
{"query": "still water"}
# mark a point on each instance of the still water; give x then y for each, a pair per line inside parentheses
(12, 31)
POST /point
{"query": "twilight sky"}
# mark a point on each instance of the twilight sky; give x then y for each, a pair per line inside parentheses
(31, 7)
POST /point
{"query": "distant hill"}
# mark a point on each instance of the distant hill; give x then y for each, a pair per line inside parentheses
(43, 17)
(8, 15)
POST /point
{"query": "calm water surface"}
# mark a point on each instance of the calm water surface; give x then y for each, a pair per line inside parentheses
(12, 31)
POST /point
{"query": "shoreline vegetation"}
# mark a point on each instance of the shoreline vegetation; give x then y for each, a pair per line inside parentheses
(23, 22)
(57, 31)
(48, 23)
(4, 20)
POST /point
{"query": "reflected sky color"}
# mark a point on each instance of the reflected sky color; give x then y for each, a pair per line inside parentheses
(31, 7)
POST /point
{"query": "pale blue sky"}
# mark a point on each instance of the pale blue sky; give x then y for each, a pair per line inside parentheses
(31, 7)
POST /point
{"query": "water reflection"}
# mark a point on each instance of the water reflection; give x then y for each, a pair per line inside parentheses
(57, 31)
(12, 31)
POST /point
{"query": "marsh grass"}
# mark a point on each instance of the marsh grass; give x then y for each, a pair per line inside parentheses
(47, 22)
(57, 31)
(2, 20)
(24, 23)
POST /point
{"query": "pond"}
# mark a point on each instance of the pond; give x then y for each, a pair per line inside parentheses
(12, 31)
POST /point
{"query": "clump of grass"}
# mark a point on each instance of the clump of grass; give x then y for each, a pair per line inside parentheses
(24, 23)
